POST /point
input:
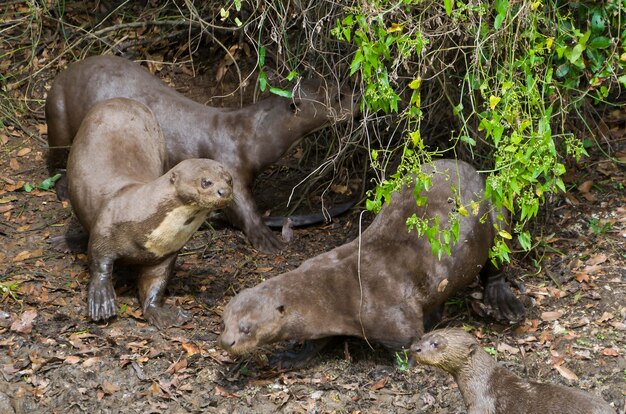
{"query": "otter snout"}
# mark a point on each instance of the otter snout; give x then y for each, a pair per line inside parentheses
(225, 192)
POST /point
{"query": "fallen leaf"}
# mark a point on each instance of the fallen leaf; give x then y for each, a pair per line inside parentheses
(551, 316)
(582, 277)
(72, 359)
(221, 392)
(190, 348)
(14, 165)
(610, 352)
(340, 189)
(23, 152)
(566, 372)
(379, 384)
(592, 268)
(42, 128)
(596, 259)
(618, 325)
(91, 361)
(606, 316)
(177, 366)
(25, 323)
(502, 347)
(109, 387)
(586, 186)
(263, 269)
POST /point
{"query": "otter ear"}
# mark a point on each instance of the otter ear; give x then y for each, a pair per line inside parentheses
(281, 308)
(474, 348)
(173, 177)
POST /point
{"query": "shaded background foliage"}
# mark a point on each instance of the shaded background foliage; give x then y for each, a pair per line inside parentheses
(517, 88)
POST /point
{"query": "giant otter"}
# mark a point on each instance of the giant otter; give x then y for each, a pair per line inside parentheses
(379, 286)
(135, 210)
(245, 140)
(489, 388)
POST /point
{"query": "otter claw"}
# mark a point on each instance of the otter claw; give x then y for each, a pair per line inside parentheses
(265, 240)
(504, 303)
(101, 300)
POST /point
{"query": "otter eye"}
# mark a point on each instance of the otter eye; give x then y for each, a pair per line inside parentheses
(434, 344)
(244, 329)
(206, 183)
(280, 308)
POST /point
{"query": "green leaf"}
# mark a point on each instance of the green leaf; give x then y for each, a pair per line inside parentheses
(600, 42)
(262, 80)
(574, 53)
(415, 83)
(356, 62)
(261, 56)
(468, 140)
(524, 240)
(292, 75)
(28, 188)
(448, 4)
(49, 182)
(499, 20)
(281, 92)
(597, 22)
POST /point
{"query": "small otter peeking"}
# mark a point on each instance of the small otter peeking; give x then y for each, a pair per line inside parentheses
(489, 388)
(136, 212)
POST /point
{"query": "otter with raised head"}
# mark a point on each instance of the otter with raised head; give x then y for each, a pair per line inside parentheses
(136, 211)
(489, 388)
(245, 140)
(381, 286)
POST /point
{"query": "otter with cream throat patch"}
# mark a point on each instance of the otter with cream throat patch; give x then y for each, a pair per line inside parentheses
(137, 212)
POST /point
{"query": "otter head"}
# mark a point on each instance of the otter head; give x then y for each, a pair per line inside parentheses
(254, 317)
(316, 103)
(203, 183)
(447, 349)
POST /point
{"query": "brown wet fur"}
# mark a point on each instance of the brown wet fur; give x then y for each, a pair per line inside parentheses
(245, 140)
(489, 388)
(135, 210)
(377, 287)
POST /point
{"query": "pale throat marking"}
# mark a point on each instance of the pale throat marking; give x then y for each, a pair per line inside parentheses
(172, 233)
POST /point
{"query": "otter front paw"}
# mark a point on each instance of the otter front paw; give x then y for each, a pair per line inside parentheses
(503, 302)
(61, 188)
(101, 299)
(163, 317)
(265, 240)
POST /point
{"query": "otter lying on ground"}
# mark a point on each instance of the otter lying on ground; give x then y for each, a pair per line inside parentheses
(137, 212)
(379, 286)
(489, 388)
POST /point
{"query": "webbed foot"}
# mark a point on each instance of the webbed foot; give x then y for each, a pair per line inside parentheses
(503, 302)
(264, 239)
(101, 298)
(163, 316)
